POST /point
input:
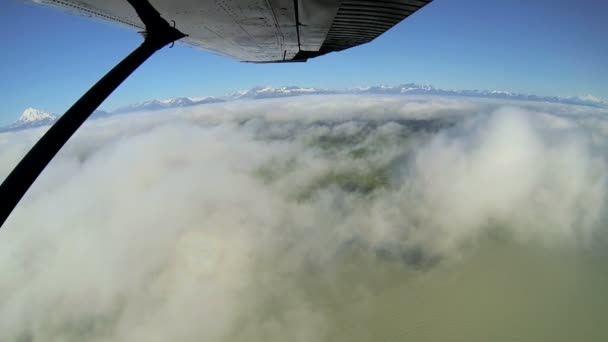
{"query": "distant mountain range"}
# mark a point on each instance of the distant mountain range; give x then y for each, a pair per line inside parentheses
(34, 118)
(270, 92)
(416, 89)
(167, 103)
(254, 93)
(403, 89)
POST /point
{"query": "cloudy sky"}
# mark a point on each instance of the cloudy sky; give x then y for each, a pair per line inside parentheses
(544, 47)
(325, 218)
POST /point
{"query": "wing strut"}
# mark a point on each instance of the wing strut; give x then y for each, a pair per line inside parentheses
(158, 34)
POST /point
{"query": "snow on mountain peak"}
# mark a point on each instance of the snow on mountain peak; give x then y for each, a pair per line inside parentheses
(266, 92)
(592, 98)
(31, 115)
(263, 92)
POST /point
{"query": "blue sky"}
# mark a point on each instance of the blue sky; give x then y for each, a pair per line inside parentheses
(545, 47)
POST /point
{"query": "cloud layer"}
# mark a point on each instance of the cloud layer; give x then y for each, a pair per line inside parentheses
(243, 221)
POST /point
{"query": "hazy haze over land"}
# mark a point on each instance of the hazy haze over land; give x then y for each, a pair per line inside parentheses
(316, 218)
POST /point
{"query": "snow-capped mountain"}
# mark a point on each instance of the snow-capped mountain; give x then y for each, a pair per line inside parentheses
(168, 103)
(32, 115)
(270, 92)
(31, 118)
(254, 93)
(417, 89)
(267, 92)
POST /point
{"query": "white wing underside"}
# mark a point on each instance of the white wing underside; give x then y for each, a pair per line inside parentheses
(261, 30)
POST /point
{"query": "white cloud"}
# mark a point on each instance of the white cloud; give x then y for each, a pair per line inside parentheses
(163, 226)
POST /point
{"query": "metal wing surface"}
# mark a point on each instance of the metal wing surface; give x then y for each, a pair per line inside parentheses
(262, 30)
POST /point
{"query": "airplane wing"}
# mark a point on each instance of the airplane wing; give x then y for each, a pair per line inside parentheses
(262, 30)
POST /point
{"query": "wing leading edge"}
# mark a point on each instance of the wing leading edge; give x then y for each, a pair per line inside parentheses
(262, 30)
